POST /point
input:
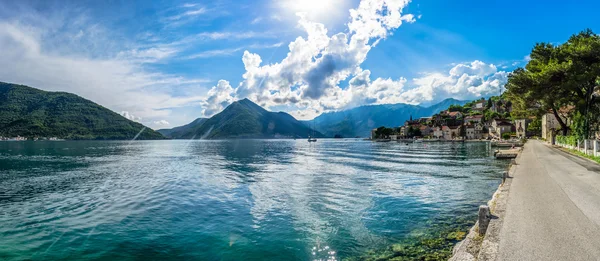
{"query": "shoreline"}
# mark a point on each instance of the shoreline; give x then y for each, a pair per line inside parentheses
(485, 247)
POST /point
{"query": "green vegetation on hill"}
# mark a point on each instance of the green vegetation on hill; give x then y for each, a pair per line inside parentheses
(30, 112)
(245, 119)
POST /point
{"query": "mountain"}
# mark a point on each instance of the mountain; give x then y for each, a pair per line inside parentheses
(179, 131)
(30, 112)
(360, 120)
(245, 119)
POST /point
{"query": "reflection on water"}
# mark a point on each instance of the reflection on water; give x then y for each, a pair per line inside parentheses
(231, 200)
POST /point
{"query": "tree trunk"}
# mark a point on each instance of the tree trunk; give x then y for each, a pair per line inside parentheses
(563, 125)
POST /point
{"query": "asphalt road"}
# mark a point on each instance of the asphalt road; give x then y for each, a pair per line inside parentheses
(553, 209)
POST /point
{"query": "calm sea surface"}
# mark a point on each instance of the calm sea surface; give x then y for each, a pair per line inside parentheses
(232, 200)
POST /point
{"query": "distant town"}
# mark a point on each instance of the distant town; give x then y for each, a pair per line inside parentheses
(483, 119)
(19, 138)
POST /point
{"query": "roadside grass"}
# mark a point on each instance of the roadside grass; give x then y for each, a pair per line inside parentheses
(581, 154)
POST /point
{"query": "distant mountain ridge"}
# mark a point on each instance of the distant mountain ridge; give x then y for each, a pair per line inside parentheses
(243, 119)
(179, 131)
(361, 120)
(30, 112)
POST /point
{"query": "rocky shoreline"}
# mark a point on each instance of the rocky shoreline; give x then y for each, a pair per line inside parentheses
(485, 247)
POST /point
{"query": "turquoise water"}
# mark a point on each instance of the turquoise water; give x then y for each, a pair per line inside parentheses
(232, 200)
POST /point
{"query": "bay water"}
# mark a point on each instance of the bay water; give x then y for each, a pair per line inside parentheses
(233, 199)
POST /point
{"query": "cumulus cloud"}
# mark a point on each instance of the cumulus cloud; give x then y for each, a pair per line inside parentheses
(161, 123)
(310, 74)
(309, 77)
(465, 81)
(219, 97)
(130, 116)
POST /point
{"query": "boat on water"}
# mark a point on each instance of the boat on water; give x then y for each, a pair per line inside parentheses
(310, 139)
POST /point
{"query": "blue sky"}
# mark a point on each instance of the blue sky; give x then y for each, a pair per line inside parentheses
(165, 63)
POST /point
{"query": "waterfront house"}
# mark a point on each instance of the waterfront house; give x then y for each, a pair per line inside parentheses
(455, 131)
(425, 131)
(437, 132)
(473, 131)
(373, 135)
(446, 133)
(470, 131)
(403, 131)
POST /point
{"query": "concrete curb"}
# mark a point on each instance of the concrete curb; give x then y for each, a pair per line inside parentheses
(476, 247)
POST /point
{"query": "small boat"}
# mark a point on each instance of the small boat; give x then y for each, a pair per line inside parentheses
(312, 139)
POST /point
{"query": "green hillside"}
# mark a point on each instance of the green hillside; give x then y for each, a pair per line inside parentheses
(30, 112)
(245, 119)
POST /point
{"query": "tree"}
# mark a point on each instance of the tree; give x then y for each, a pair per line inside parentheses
(383, 132)
(540, 86)
(535, 126)
(559, 76)
(582, 51)
(455, 107)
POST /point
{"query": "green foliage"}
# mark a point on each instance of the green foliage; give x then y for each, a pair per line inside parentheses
(383, 132)
(506, 135)
(456, 107)
(583, 155)
(29, 112)
(569, 140)
(413, 132)
(559, 76)
(535, 126)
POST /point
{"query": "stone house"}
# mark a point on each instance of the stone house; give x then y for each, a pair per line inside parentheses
(473, 131)
(446, 133)
(474, 118)
(550, 124)
(437, 132)
(521, 128)
(499, 127)
(425, 131)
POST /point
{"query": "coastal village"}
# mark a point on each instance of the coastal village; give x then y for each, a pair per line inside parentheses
(483, 119)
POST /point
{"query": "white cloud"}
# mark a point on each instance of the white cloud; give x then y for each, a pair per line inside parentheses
(219, 97)
(130, 116)
(213, 53)
(463, 81)
(161, 123)
(119, 82)
(257, 20)
(188, 13)
(233, 35)
(308, 78)
(189, 5)
(229, 51)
